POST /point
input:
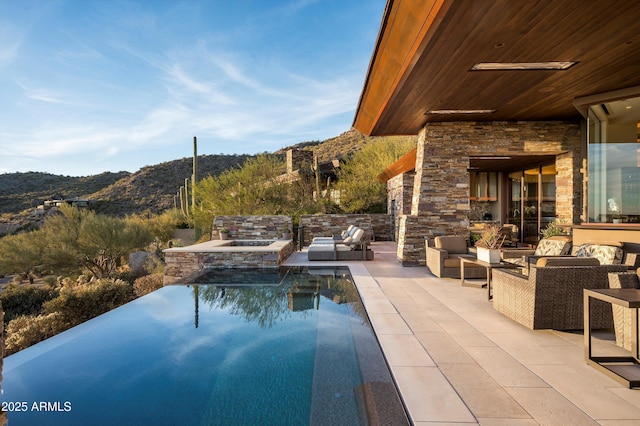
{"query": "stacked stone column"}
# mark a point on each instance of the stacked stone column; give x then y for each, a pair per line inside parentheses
(440, 202)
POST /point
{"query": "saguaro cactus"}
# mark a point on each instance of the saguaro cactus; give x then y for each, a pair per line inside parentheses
(194, 175)
(183, 194)
(184, 199)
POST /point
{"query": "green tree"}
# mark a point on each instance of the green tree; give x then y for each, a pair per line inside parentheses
(255, 188)
(21, 253)
(162, 226)
(81, 239)
(361, 191)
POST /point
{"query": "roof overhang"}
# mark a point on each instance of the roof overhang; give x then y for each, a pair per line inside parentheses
(406, 163)
(423, 59)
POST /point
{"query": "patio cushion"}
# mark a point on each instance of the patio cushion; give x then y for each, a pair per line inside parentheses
(455, 244)
(321, 247)
(553, 246)
(347, 233)
(357, 235)
(607, 255)
(606, 243)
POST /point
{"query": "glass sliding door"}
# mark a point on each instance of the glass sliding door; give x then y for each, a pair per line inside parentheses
(531, 206)
(547, 195)
(514, 200)
(531, 201)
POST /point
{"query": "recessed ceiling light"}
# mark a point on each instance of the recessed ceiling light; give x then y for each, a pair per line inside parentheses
(461, 111)
(491, 66)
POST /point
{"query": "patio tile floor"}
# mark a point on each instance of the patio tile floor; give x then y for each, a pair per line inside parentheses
(457, 361)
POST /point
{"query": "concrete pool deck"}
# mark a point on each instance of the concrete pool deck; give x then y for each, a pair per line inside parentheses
(458, 361)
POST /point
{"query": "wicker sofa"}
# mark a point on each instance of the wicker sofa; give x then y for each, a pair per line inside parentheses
(607, 252)
(551, 296)
(553, 246)
(443, 260)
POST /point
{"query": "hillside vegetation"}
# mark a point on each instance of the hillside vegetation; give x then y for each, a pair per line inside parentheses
(19, 191)
(151, 189)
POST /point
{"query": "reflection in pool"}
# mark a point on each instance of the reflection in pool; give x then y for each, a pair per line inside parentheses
(291, 346)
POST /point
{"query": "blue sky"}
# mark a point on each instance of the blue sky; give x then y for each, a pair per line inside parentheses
(88, 86)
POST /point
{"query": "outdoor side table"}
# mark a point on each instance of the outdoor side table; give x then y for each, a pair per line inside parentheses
(625, 369)
(489, 267)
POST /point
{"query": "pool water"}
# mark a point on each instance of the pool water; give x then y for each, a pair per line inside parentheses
(291, 346)
(248, 243)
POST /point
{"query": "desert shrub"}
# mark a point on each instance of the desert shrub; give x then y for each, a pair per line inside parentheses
(50, 280)
(148, 283)
(83, 302)
(361, 191)
(24, 300)
(28, 330)
(84, 240)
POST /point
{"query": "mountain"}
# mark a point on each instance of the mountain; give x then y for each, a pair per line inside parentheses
(150, 189)
(153, 188)
(338, 147)
(19, 191)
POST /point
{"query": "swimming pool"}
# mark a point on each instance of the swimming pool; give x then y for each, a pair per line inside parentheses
(286, 346)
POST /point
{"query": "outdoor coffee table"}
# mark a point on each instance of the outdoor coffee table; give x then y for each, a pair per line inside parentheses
(489, 267)
(625, 369)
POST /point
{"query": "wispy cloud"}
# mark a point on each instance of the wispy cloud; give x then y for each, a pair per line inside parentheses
(46, 95)
(12, 39)
(141, 85)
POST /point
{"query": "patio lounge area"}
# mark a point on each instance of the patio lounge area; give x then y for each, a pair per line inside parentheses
(456, 360)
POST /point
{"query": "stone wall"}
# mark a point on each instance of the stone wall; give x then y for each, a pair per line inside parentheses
(399, 195)
(251, 227)
(376, 226)
(184, 262)
(299, 159)
(440, 201)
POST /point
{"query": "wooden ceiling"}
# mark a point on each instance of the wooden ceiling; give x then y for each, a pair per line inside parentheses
(426, 48)
(509, 164)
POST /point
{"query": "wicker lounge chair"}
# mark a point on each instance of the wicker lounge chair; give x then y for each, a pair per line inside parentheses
(622, 316)
(443, 260)
(551, 296)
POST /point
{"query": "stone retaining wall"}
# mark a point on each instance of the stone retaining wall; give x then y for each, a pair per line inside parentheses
(376, 226)
(251, 227)
(382, 227)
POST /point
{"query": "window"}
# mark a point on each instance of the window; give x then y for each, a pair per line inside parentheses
(614, 162)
